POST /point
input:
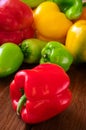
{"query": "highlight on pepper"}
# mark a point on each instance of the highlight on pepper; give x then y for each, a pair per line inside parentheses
(40, 93)
(55, 52)
(50, 23)
(76, 41)
(71, 8)
(16, 21)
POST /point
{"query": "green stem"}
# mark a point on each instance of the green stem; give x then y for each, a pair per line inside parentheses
(21, 102)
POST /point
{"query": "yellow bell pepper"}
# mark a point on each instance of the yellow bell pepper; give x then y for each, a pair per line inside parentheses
(76, 41)
(50, 23)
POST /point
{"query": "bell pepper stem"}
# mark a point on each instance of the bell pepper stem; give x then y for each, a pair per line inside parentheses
(21, 102)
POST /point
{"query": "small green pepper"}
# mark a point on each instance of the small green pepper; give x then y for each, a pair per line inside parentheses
(72, 8)
(31, 49)
(56, 52)
(11, 57)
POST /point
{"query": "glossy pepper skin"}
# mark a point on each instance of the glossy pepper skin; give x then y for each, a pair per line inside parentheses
(31, 49)
(46, 92)
(16, 36)
(11, 58)
(56, 52)
(16, 19)
(76, 41)
(49, 23)
(72, 8)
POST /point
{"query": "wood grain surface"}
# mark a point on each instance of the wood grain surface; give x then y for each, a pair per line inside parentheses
(73, 118)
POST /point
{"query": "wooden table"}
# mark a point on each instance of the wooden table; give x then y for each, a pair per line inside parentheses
(73, 118)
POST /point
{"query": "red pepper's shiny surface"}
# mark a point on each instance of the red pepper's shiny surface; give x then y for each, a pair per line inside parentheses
(46, 88)
(14, 15)
(16, 19)
(16, 36)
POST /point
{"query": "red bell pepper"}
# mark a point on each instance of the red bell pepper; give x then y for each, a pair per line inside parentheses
(40, 93)
(16, 17)
(16, 36)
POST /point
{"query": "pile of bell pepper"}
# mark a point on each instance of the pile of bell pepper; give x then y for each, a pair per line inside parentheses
(51, 35)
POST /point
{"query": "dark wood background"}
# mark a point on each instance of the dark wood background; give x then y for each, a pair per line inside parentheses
(73, 118)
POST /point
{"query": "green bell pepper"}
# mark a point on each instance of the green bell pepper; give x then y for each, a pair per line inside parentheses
(56, 52)
(31, 49)
(11, 58)
(72, 8)
(33, 3)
